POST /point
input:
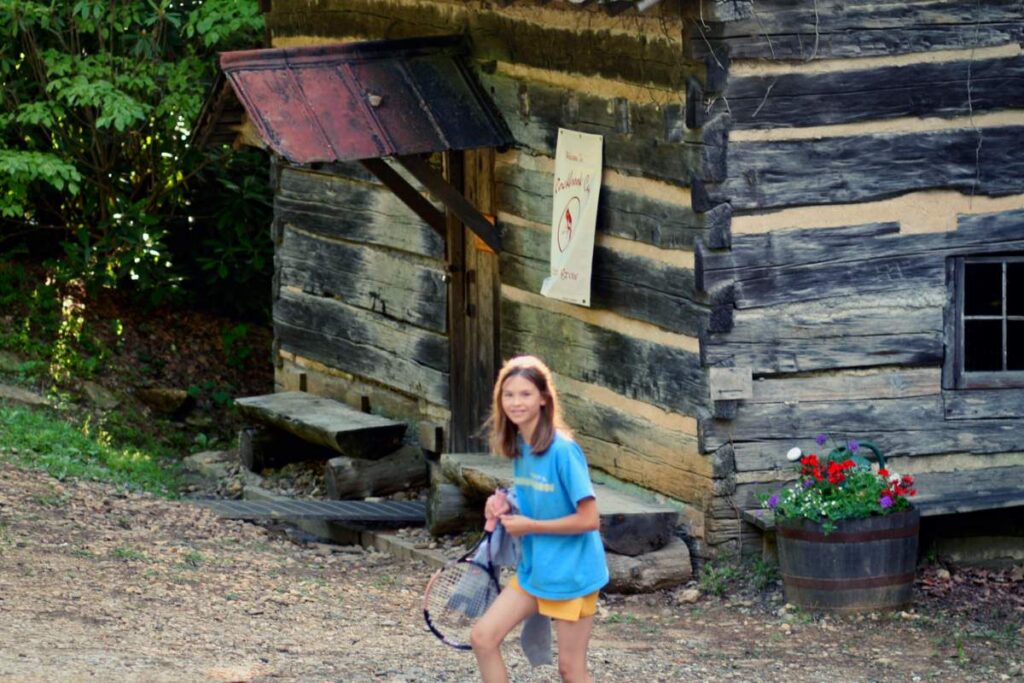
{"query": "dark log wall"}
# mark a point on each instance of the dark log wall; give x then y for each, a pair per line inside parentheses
(360, 300)
(360, 276)
(869, 143)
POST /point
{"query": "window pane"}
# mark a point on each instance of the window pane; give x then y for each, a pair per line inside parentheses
(1015, 288)
(1015, 345)
(983, 345)
(983, 289)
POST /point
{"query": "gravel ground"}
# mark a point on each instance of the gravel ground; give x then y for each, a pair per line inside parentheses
(96, 584)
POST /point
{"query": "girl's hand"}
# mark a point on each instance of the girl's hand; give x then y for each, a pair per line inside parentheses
(517, 525)
(496, 505)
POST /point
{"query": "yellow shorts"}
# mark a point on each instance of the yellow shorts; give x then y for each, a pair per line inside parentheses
(572, 609)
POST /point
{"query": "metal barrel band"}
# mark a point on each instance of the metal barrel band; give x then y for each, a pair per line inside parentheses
(840, 583)
(848, 537)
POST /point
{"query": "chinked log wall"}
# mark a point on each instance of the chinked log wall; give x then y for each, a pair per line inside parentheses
(629, 367)
(869, 142)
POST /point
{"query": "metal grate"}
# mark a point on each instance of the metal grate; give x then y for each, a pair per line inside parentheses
(413, 512)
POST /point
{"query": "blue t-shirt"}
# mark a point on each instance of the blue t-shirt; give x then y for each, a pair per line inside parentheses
(549, 486)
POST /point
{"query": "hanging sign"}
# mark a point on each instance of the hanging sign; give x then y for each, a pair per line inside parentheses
(574, 216)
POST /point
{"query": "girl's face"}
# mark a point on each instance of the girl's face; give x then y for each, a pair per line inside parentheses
(521, 401)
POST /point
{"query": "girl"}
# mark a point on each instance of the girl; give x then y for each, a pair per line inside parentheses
(562, 565)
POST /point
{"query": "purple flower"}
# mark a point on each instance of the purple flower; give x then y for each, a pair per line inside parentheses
(773, 502)
(853, 445)
(808, 483)
(821, 439)
(885, 502)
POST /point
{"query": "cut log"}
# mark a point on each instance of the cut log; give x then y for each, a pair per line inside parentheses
(664, 568)
(449, 510)
(325, 422)
(347, 478)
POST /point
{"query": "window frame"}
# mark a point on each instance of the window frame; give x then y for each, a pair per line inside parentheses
(992, 379)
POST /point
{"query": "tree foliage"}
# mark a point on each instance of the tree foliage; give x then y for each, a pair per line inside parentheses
(99, 100)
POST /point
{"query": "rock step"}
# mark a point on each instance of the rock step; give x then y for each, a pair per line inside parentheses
(630, 525)
(325, 422)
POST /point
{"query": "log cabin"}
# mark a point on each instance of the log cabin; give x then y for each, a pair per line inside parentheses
(811, 220)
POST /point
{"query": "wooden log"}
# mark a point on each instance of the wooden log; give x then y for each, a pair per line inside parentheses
(326, 423)
(340, 206)
(561, 42)
(860, 168)
(405, 358)
(983, 404)
(621, 212)
(939, 89)
(756, 256)
(630, 285)
(347, 478)
(833, 29)
(365, 277)
(655, 373)
(664, 568)
(449, 509)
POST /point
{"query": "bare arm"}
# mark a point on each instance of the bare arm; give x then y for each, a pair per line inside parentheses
(585, 519)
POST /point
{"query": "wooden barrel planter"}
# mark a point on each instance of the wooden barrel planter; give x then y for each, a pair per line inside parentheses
(864, 565)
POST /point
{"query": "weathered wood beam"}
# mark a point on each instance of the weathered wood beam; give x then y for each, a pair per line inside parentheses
(338, 203)
(833, 29)
(452, 199)
(347, 478)
(940, 89)
(404, 191)
(363, 343)
(364, 276)
(861, 168)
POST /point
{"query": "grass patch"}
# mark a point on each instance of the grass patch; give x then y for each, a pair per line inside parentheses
(45, 441)
(129, 554)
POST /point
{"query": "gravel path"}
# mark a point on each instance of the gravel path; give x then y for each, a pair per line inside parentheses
(96, 585)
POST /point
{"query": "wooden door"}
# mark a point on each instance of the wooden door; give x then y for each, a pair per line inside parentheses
(473, 304)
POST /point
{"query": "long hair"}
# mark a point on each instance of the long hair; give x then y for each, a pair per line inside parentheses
(503, 432)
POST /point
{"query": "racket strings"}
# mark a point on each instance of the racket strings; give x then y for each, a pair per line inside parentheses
(457, 597)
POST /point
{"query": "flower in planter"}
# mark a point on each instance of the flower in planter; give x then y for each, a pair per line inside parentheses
(842, 485)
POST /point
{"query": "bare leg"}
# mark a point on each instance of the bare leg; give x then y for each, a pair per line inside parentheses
(508, 609)
(573, 638)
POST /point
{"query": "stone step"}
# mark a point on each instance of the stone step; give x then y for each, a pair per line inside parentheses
(630, 525)
(325, 422)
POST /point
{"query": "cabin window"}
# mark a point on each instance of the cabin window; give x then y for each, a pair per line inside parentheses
(990, 321)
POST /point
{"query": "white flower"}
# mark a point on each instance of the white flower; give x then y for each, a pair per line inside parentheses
(794, 454)
(894, 476)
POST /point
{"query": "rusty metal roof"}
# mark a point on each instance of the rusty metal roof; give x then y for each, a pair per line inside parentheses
(364, 100)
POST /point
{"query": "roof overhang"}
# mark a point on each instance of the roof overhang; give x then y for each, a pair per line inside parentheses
(362, 102)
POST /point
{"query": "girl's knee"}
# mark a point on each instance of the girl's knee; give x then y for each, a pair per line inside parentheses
(482, 638)
(571, 670)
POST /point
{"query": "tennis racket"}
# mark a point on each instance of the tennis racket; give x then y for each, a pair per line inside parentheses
(459, 593)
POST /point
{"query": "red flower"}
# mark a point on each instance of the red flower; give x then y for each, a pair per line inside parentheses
(883, 473)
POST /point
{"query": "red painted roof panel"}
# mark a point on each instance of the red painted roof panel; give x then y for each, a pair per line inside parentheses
(364, 100)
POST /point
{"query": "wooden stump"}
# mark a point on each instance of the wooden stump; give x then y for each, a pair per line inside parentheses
(347, 478)
(449, 510)
(669, 566)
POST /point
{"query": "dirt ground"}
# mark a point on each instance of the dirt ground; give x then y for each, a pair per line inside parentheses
(99, 585)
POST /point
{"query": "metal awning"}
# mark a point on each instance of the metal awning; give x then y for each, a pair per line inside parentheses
(364, 101)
